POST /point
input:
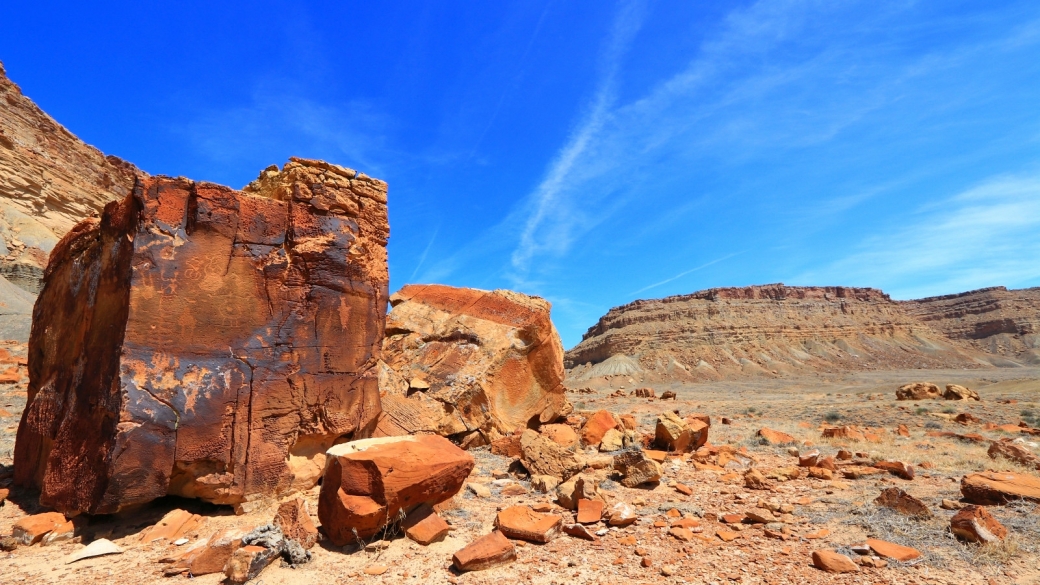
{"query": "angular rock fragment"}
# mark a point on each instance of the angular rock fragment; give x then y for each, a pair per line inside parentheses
(469, 363)
(891, 550)
(247, 562)
(918, 391)
(577, 488)
(561, 434)
(485, 552)
(613, 440)
(897, 468)
(172, 526)
(425, 526)
(1014, 452)
(976, 524)
(294, 520)
(523, 523)
(847, 432)
(206, 556)
(597, 426)
(206, 342)
(957, 392)
(833, 562)
(63, 533)
(636, 468)
(369, 483)
(31, 529)
(544, 457)
(579, 531)
(902, 502)
(997, 487)
(589, 511)
(775, 437)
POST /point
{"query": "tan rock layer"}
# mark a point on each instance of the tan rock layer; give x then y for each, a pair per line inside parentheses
(49, 181)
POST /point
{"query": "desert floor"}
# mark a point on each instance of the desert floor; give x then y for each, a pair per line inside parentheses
(826, 514)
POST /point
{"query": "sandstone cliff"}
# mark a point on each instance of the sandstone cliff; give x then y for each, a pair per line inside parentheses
(49, 181)
(995, 320)
(768, 330)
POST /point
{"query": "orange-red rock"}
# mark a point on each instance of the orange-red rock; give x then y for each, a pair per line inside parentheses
(891, 550)
(207, 556)
(247, 562)
(32, 529)
(368, 483)
(172, 526)
(485, 552)
(589, 511)
(976, 524)
(472, 364)
(847, 432)
(597, 426)
(560, 434)
(425, 526)
(902, 502)
(206, 342)
(1017, 453)
(832, 562)
(508, 446)
(294, 518)
(897, 468)
(775, 437)
(523, 523)
(997, 487)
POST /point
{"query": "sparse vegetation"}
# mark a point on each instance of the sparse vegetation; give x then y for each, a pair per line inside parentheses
(832, 416)
(921, 410)
(949, 410)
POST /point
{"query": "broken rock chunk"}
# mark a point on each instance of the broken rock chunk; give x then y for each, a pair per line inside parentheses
(368, 483)
(636, 468)
(485, 552)
(903, 503)
(294, 519)
(976, 524)
(997, 487)
(248, 561)
(542, 456)
(425, 526)
(31, 529)
(833, 562)
(523, 523)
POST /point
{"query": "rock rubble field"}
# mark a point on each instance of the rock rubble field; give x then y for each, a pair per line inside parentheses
(216, 385)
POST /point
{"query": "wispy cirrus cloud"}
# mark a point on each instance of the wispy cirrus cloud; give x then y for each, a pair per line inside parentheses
(987, 235)
(684, 273)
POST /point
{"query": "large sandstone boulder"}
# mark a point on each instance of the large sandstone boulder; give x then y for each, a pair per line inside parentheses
(205, 342)
(469, 364)
(374, 482)
(958, 392)
(918, 391)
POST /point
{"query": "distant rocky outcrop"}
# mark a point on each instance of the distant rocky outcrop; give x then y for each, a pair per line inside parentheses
(1001, 322)
(206, 342)
(768, 330)
(49, 181)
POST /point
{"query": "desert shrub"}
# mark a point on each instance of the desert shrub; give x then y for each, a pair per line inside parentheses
(832, 416)
(932, 425)
(921, 410)
(949, 410)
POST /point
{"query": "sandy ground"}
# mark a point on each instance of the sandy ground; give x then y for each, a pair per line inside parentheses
(797, 406)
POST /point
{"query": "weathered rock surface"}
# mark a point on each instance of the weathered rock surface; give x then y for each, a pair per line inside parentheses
(833, 562)
(958, 392)
(49, 181)
(370, 483)
(903, 503)
(206, 342)
(918, 391)
(997, 487)
(485, 552)
(976, 524)
(523, 523)
(464, 362)
(1018, 453)
(542, 456)
(767, 330)
(1003, 323)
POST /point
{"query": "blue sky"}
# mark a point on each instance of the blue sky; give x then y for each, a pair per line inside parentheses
(593, 152)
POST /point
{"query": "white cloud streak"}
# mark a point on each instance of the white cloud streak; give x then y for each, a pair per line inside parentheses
(684, 273)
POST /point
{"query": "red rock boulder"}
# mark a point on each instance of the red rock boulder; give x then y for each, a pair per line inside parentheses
(206, 342)
(470, 364)
(919, 391)
(373, 482)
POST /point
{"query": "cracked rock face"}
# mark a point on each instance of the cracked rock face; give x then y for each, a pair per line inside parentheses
(207, 342)
(470, 364)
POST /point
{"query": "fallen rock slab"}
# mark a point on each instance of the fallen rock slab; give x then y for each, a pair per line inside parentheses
(833, 562)
(425, 526)
(247, 562)
(902, 502)
(206, 342)
(369, 482)
(487, 551)
(775, 437)
(957, 392)
(542, 456)
(172, 526)
(31, 529)
(975, 524)
(891, 550)
(523, 523)
(636, 468)
(294, 519)
(206, 556)
(998, 487)
(1014, 452)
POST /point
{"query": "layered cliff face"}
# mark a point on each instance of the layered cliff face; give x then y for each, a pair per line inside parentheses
(768, 330)
(49, 181)
(994, 320)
